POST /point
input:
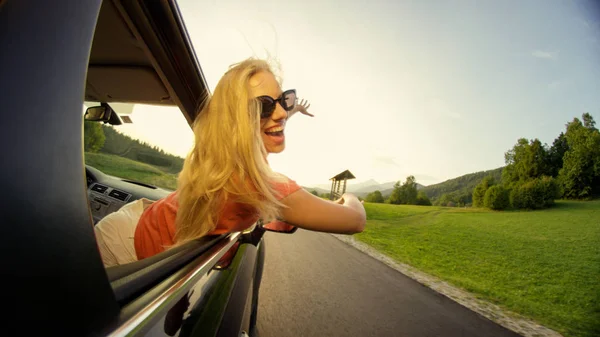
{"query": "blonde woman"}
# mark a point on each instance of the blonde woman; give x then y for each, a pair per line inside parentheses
(226, 183)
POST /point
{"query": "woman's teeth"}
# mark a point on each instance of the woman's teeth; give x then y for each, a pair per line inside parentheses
(277, 131)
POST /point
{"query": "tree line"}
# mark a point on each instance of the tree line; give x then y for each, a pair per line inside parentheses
(105, 139)
(536, 174)
(405, 193)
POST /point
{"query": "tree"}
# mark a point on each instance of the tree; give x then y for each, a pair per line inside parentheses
(375, 197)
(315, 193)
(422, 199)
(526, 160)
(410, 190)
(588, 121)
(580, 174)
(405, 194)
(479, 191)
(556, 153)
(93, 136)
(395, 197)
(496, 198)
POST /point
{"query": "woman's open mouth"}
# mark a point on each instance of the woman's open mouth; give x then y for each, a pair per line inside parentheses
(276, 134)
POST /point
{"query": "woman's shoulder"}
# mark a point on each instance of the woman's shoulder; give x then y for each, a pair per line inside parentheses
(285, 186)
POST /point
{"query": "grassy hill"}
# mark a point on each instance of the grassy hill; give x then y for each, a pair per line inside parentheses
(130, 169)
(124, 146)
(542, 264)
(128, 158)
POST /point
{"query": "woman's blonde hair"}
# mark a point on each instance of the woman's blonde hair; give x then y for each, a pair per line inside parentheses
(228, 160)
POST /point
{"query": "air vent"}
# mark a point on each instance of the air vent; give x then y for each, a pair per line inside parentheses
(99, 188)
(118, 195)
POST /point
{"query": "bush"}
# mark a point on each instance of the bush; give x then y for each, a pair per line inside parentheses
(374, 197)
(496, 198)
(535, 194)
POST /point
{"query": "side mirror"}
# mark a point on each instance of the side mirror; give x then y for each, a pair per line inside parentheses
(279, 227)
(103, 113)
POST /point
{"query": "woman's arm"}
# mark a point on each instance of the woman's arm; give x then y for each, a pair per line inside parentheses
(307, 211)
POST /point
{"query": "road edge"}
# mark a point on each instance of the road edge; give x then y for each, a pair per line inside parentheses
(493, 312)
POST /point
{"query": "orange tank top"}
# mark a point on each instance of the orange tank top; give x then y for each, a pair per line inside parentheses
(156, 228)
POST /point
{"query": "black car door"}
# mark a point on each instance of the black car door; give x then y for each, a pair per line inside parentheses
(54, 281)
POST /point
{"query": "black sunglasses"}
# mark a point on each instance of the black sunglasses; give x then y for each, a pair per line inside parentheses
(287, 100)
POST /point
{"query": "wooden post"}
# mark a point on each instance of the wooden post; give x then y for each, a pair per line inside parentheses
(344, 191)
(335, 189)
(332, 186)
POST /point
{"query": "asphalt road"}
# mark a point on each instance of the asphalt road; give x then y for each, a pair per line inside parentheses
(316, 285)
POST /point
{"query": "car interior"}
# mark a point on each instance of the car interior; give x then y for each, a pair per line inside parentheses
(128, 64)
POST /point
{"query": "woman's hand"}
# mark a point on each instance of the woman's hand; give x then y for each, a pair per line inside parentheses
(301, 107)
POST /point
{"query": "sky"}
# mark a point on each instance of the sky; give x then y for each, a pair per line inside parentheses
(434, 89)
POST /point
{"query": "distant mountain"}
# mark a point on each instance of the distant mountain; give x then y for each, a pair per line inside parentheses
(462, 185)
(360, 189)
(363, 191)
(352, 186)
(319, 190)
(388, 191)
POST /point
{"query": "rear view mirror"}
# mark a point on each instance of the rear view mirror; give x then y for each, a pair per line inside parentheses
(279, 227)
(102, 113)
(98, 113)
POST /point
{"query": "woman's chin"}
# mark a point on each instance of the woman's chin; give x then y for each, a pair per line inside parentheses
(276, 148)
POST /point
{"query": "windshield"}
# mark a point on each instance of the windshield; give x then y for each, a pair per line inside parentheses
(149, 147)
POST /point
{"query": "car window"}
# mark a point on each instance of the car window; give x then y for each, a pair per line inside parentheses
(148, 147)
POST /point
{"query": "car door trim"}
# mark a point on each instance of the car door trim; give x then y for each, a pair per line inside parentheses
(155, 309)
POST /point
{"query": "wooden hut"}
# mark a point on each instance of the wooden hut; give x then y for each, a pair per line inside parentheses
(337, 187)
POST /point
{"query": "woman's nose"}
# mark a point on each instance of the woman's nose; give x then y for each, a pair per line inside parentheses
(279, 112)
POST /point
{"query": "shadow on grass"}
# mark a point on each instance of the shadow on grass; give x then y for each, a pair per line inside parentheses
(573, 204)
(558, 205)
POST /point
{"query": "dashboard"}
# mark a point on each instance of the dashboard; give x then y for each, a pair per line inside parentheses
(107, 194)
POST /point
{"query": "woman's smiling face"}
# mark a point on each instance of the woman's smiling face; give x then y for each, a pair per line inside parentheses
(272, 128)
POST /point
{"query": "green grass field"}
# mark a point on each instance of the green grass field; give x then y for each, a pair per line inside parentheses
(544, 264)
(130, 169)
